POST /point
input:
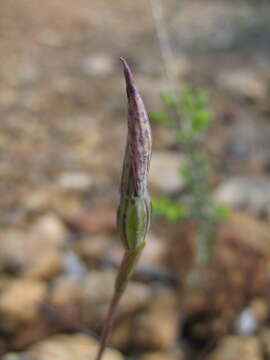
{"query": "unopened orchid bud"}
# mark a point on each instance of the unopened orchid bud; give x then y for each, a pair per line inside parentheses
(133, 216)
(134, 210)
(139, 141)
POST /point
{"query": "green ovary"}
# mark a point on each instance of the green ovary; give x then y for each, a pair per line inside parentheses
(136, 223)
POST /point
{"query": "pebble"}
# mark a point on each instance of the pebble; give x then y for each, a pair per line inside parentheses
(16, 356)
(93, 248)
(121, 334)
(74, 182)
(264, 337)
(19, 302)
(70, 347)
(64, 290)
(154, 328)
(244, 83)
(97, 65)
(260, 309)
(176, 355)
(49, 227)
(247, 193)
(48, 199)
(43, 240)
(236, 347)
(44, 265)
(251, 233)
(73, 266)
(96, 294)
(246, 322)
(165, 171)
(155, 251)
(51, 38)
(251, 318)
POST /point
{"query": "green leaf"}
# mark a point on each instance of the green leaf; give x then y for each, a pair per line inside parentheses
(187, 99)
(200, 120)
(186, 171)
(169, 99)
(167, 208)
(159, 117)
(202, 98)
(221, 212)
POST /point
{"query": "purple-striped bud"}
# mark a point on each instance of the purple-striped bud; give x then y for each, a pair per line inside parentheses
(134, 210)
(139, 141)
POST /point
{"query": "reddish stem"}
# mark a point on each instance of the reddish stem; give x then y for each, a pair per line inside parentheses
(107, 327)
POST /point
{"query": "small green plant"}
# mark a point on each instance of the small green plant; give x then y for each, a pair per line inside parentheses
(164, 206)
(188, 116)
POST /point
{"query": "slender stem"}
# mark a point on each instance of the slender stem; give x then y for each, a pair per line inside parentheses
(164, 43)
(167, 54)
(107, 327)
(126, 269)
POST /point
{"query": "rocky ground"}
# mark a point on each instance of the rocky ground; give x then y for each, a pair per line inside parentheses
(63, 108)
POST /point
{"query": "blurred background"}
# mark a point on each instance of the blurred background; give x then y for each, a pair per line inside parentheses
(201, 290)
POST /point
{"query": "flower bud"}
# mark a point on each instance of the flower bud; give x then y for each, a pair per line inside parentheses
(139, 141)
(135, 208)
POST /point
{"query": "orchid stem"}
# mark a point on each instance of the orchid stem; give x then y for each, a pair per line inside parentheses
(107, 327)
(134, 210)
(126, 269)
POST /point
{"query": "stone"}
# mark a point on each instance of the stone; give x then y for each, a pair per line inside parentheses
(96, 294)
(12, 255)
(165, 171)
(175, 355)
(78, 182)
(43, 240)
(96, 220)
(251, 318)
(156, 327)
(155, 251)
(98, 286)
(20, 301)
(247, 193)
(236, 347)
(73, 266)
(246, 322)
(97, 65)
(50, 199)
(93, 248)
(244, 83)
(67, 207)
(260, 309)
(51, 38)
(70, 347)
(51, 228)
(44, 265)
(264, 337)
(64, 290)
(16, 356)
(135, 297)
(239, 271)
(121, 334)
(250, 232)
(30, 73)
(246, 144)
(8, 98)
(37, 201)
